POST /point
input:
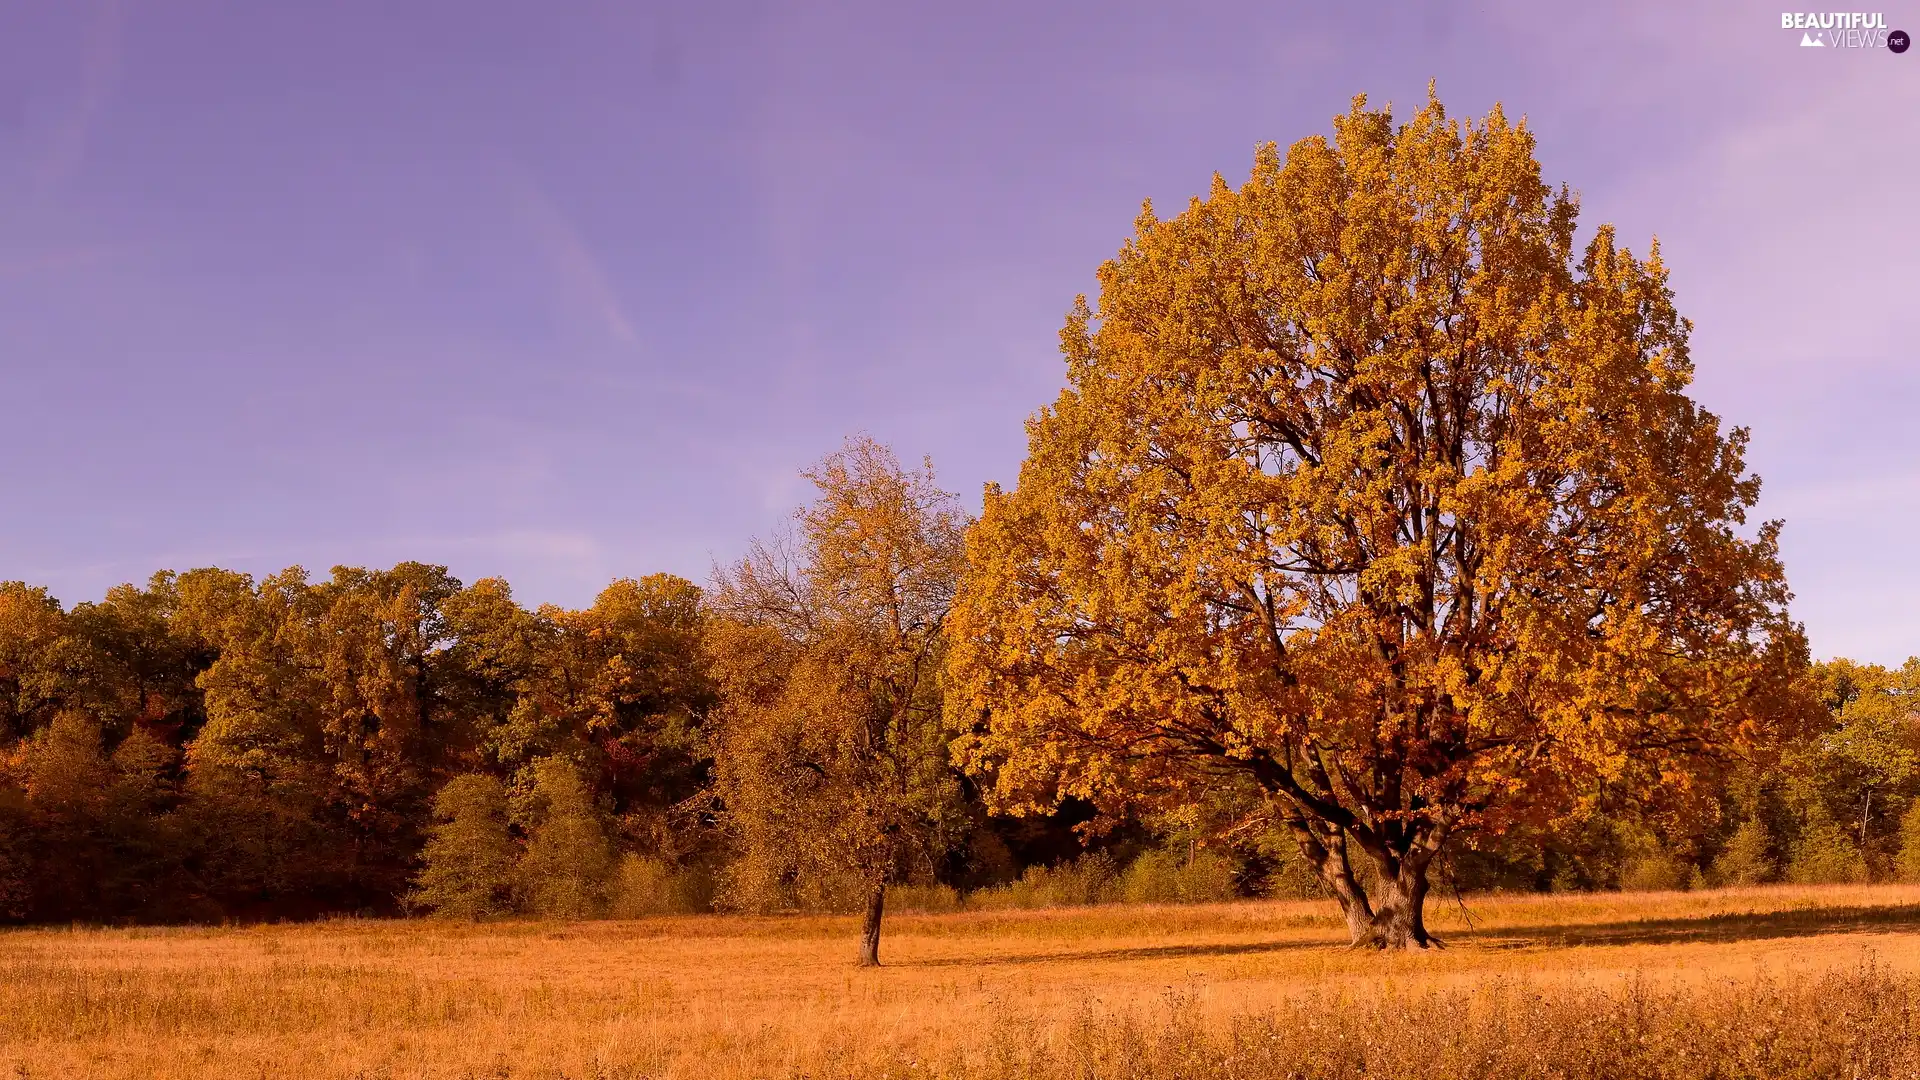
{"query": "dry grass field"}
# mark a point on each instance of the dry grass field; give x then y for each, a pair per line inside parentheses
(1755, 982)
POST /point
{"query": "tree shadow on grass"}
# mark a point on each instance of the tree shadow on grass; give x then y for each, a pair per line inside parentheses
(1143, 952)
(1721, 927)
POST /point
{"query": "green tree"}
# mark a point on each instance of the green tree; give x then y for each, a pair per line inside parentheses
(141, 822)
(332, 712)
(374, 639)
(568, 860)
(1747, 858)
(1825, 853)
(16, 858)
(467, 867)
(68, 777)
(1907, 865)
(1869, 754)
(266, 811)
(31, 625)
(133, 666)
(620, 687)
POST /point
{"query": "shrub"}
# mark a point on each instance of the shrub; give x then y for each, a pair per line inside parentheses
(762, 882)
(1088, 879)
(1150, 878)
(469, 856)
(1655, 870)
(648, 885)
(927, 899)
(1825, 854)
(1292, 878)
(1160, 876)
(1156, 876)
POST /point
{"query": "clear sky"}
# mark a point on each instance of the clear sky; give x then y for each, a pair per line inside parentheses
(568, 291)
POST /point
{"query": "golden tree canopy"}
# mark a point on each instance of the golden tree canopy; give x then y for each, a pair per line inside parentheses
(1367, 484)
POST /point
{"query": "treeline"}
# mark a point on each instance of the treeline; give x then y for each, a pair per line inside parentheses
(210, 746)
(213, 746)
(1840, 805)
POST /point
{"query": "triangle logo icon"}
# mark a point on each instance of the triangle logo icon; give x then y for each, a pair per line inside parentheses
(1808, 41)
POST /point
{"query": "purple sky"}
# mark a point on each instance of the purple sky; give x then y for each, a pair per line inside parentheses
(569, 291)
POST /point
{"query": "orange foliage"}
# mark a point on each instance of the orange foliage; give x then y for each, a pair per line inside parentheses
(1367, 487)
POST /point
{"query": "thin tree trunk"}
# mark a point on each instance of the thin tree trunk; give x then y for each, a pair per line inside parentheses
(870, 931)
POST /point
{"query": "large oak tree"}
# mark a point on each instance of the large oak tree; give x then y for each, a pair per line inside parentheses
(1369, 485)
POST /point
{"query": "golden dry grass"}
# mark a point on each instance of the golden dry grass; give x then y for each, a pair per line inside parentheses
(1114, 991)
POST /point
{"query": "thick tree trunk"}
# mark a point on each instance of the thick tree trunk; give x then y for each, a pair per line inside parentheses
(1399, 914)
(1394, 916)
(870, 931)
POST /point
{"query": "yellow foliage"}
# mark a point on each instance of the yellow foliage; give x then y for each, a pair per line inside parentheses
(1368, 485)
(830, 755)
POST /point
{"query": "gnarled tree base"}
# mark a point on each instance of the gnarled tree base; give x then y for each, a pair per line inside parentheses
(1383, 942)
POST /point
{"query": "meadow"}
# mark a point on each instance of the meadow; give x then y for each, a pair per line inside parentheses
(1773, 981)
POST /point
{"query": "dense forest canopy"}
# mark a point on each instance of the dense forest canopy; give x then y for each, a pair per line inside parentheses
(209, 746)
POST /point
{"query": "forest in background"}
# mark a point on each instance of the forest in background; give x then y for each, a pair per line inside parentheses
(209, 746)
